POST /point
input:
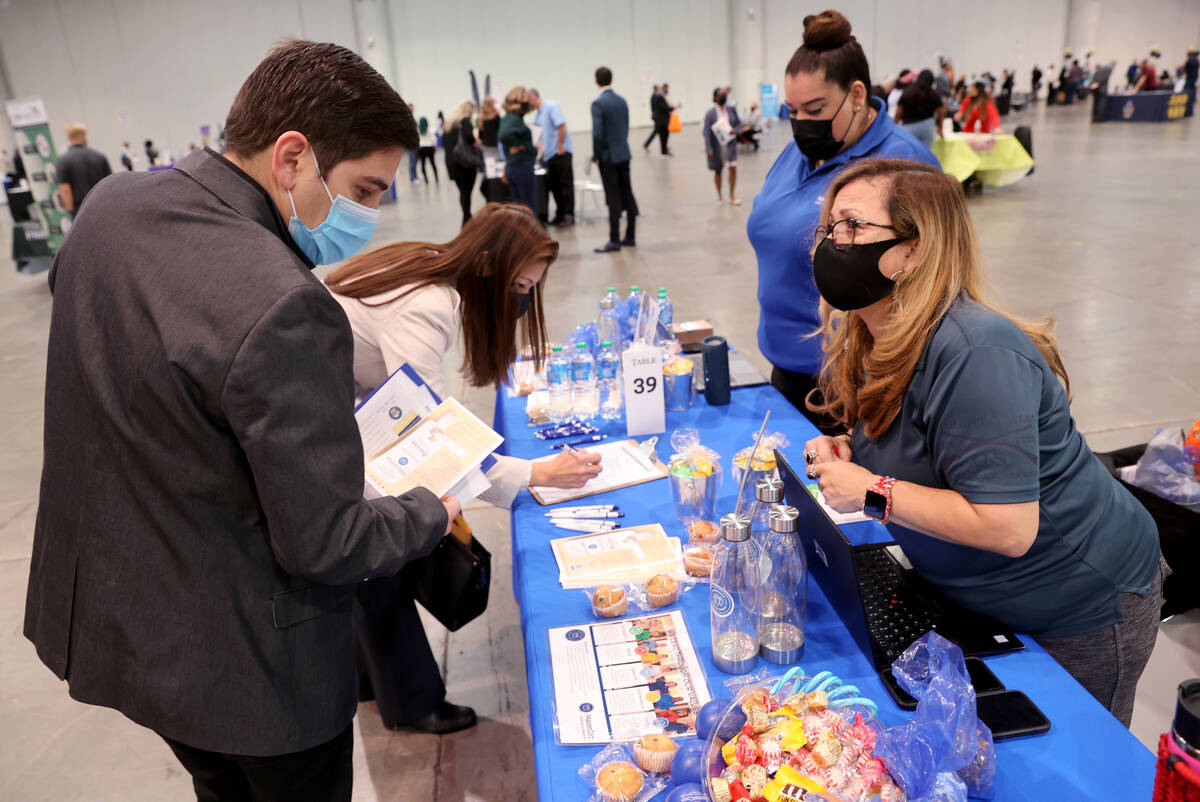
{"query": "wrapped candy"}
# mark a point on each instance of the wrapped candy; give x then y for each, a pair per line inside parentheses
(827, 749)
(695, 477)
(746, 751)
(755, 779)
(771, 755)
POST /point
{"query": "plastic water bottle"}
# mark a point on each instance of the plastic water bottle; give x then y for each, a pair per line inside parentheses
(666, 310)
(607, 324)
(558, 381)
(783, 595)
(637, 300)
(767, 493)
(733, 596)
(608, 368)
(583, 380)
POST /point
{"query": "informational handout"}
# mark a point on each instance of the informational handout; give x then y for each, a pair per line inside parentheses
(437, 453)
(617, 680)
(623, 555)
(623, 463)
(391, 409)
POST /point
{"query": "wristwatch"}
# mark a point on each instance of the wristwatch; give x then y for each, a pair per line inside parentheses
(877, 503)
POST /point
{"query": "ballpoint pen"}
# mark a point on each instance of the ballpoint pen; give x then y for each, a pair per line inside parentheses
(591, 515)
(596, 438)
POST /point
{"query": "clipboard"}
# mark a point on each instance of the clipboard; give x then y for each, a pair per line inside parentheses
(629, 470)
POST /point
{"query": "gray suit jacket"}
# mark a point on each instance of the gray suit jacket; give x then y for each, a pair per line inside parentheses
(610, 128)
(201, 521)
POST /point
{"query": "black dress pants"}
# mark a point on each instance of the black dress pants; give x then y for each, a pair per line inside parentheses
(396, 666)
(618, 196)
(663, 135)
(323, 773)
(465, 180)
(560, 181)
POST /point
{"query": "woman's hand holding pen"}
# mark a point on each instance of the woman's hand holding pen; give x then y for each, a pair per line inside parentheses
(570, 469)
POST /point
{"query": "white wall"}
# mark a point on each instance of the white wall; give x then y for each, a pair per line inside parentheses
(975, 35)
(138, 70)
(159, 69)
(556, 48)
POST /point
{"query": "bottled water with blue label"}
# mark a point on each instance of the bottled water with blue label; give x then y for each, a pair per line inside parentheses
(558, 381)
(666, 310)
(607, 324)
(583, 379)
(608, 367)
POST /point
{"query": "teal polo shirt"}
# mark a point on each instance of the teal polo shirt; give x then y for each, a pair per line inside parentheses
(985, 416)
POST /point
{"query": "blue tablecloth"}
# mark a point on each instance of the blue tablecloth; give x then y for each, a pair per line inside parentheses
(1086, 755)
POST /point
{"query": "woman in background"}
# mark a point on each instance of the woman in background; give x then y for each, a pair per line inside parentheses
(720, 130)
(978, 114)
(461, 171)
(519, 153)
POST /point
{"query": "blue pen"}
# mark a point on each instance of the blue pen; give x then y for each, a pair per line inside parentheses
(596, 438)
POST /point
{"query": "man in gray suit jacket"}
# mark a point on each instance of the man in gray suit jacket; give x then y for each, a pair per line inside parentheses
(610, 150)
(201, 525)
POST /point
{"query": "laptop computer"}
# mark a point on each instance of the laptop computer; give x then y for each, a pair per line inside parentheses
(882, 600)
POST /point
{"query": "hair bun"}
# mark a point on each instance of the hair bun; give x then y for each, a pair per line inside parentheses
(826, 31)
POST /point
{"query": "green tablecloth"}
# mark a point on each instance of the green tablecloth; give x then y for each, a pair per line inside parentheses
(996, 160)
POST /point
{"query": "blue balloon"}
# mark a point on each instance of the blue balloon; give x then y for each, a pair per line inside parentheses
(687, 763)
(692, 792)
(709, 716)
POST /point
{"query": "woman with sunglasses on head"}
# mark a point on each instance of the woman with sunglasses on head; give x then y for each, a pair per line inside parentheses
(406, 303)
(835, 122)
(960, 437)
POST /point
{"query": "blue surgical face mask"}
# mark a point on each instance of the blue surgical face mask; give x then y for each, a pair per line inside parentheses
(346, 229)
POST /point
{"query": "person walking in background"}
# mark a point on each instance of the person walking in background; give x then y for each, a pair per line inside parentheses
(79, 169)
(978, 114)
(462, 156)
(610, 151)
(1074, 79)
(439, 128)
(519, 154)
(412, 155)
(1191, 70)
(660, 112)
(427, 148)
(653, 125)
(557, 154)
(126, 157)
(151, 153)
(920, 110)
(720, 132)
(1035, 83)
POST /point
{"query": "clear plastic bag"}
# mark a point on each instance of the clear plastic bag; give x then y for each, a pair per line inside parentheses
(944, 736)
(614, 776)
(1167, 470)
(761, 465)
(813, 734)
(695, 474)
(657, 593)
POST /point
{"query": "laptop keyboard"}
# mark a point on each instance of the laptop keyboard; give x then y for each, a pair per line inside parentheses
(896, 616)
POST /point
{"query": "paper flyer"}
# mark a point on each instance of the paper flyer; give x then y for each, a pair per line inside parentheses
(621, 679)
(437, 453)
(632, 554)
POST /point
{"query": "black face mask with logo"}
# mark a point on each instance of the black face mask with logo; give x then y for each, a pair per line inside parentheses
(815, 137)
(850, 279)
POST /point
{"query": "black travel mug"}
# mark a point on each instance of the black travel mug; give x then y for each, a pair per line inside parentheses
(716, 370)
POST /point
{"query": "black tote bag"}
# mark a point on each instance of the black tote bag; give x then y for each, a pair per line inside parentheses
(452, 581)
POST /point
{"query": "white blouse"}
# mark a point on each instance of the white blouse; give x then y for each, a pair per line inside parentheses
(419, 329)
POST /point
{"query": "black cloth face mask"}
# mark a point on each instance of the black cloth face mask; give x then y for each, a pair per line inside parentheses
(850, 279)
(524, 299)
(815, 137)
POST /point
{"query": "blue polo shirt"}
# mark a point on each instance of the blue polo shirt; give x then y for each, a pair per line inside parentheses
(985, 416)
(549, 117)
(780, 227)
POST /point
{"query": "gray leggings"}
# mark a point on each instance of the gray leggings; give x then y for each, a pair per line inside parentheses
(1108, 662)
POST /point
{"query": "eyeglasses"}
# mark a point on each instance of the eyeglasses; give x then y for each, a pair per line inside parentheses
(843, 232)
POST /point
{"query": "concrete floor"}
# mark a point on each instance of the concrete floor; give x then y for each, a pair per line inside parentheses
(1103, 237)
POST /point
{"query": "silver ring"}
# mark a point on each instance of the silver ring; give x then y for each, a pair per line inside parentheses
(810, 456)
(812, 471)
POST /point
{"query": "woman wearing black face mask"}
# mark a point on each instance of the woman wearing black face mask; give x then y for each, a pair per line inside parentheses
(406, 303)
(720, 129)
(960, 433)
(834, 123)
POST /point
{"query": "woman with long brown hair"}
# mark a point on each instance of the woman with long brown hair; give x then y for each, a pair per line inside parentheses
(406, 303)
(960, 436)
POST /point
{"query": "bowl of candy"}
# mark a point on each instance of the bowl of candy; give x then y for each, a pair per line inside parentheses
(797, 738)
